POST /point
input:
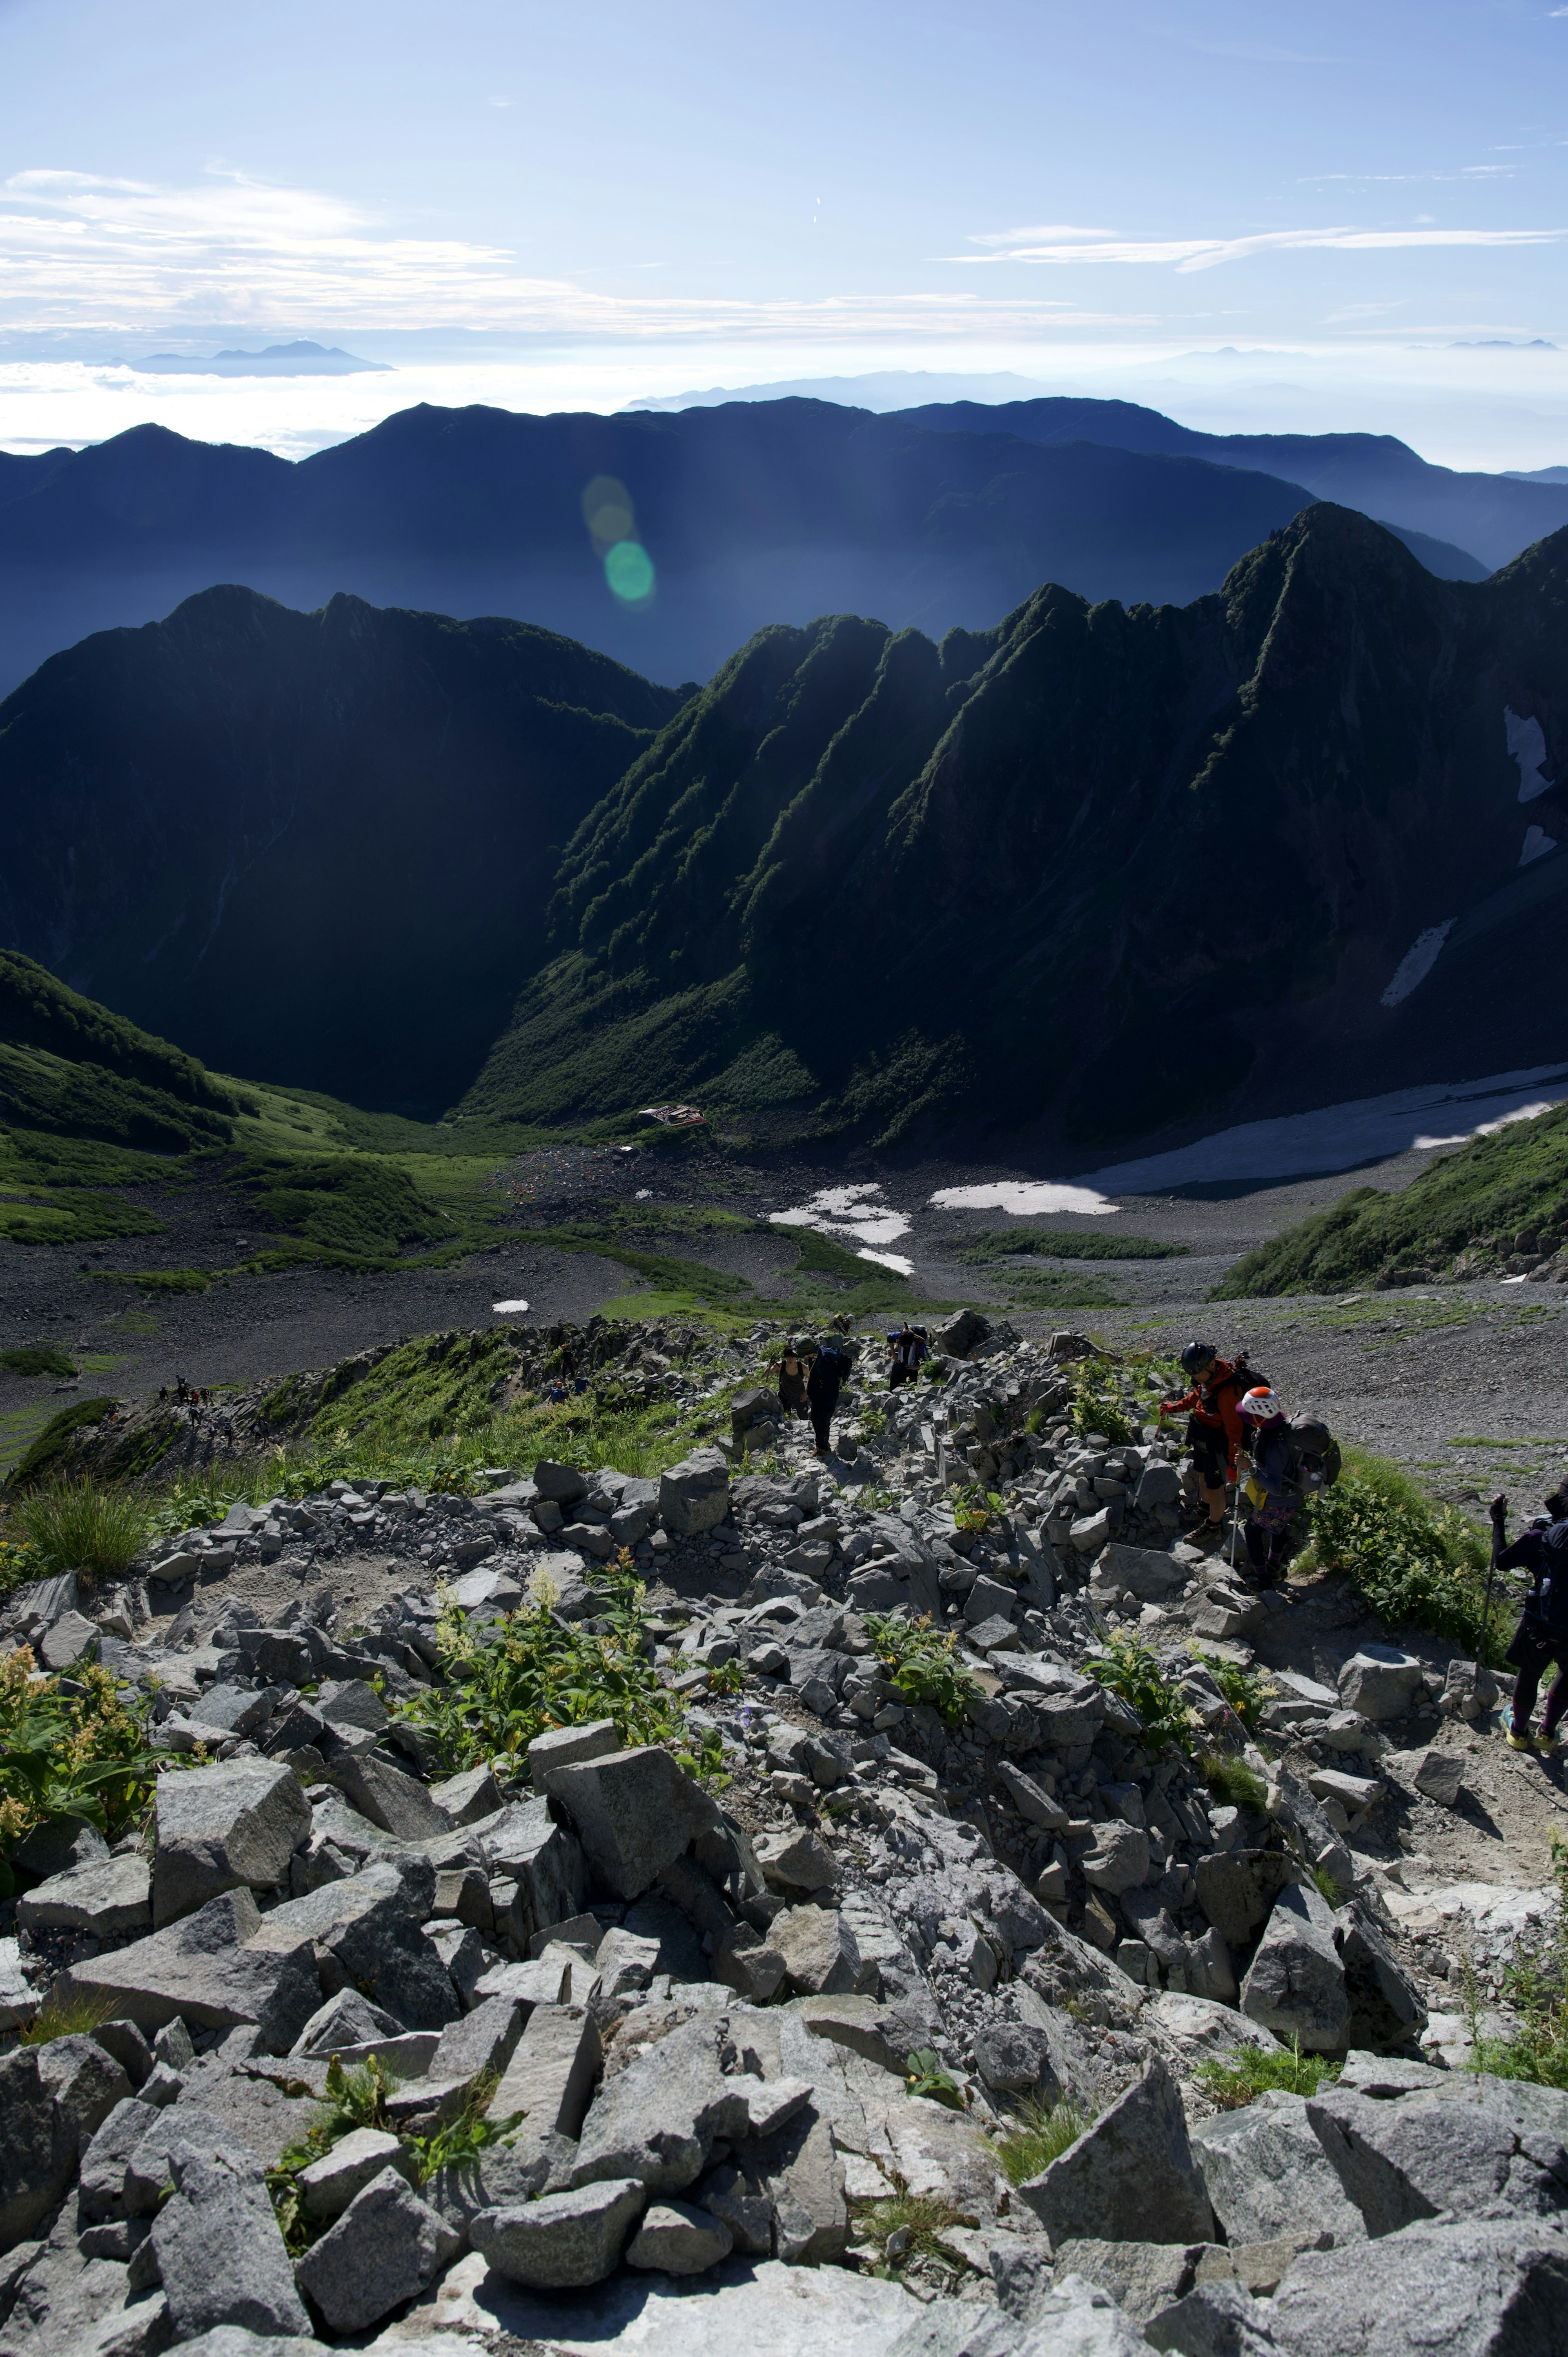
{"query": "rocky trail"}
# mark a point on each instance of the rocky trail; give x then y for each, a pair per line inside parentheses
(773, 2028)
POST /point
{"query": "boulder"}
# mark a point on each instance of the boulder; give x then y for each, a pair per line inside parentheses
(1268, 2174)
(1470, 2287)
(1380, 1681)
(212, 1970)
(1074, 2318)
(1296, 1982)
(1141, 2277)
(562, 1747)
(821, 1956)
(1236, 1889)
(550, 2078)
(1438, 1775)
(1132, 2176)
(751, 1962)
(221, 2257)
(1033, 1804)
(564, 2241)
(53, 2098)
(1147, 1573)
(386, 2247)
(1218, 2318)
(1014, 2057)
(387, 1797)
(236, 1823)
(694, 1496)
(543, 1863)
(659, 2119)
(1119, 1860)
(366, 1934)
(796, 1861)
(562, 1484)
(329, 2184)
(1386, 2009)
(107, 1898)
(635, 1812)
(680, 2239)
(345, 2020)
(464, 1800)
(100, 2185)
(1484, 2144)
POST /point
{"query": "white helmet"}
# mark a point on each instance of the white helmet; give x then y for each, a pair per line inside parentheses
(1260, 1403)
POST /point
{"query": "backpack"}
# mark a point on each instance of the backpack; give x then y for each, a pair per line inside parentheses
(1549, 1604)
(1316, 1455)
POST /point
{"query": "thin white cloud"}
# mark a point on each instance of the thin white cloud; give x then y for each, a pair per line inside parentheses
(77, 249)
(1205, 252)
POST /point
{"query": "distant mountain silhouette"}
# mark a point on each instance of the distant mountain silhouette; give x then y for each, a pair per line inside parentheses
(752, 513)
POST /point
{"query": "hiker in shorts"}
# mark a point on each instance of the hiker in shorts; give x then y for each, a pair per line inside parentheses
(1214, 1429)
(791, 1366)
(906, 1352)
(1266, 1481)
(1541, 1641)
(829, 1371)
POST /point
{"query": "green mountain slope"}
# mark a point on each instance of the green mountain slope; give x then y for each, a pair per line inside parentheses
(316, 844)
(1094, 874)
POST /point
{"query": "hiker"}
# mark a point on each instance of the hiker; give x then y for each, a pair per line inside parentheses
(1214, 1429)
(555, 1393)
(1541, 1637)
(830, 1369)
(791, 1378)
(1266, 1477)
(906, 1352)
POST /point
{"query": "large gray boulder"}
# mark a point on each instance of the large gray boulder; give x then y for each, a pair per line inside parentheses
(694, 1496)
(238, 1822)
(1147, 1572)
(635, 1812)
(1483, 2145)
(365, 1933)
(1213, 2319)
(679, 2239)
(1296, 1982)
(1268, 2174)
(1075, 2318)
(389, 1797)
(329, 2184)
(52, 2098)
(221, 2257)
(544, 1862)
(106, 1897)
(564, 2241)
(1129, 2177)
(821, 1956)
(659, 2119)
(1386, 2009)
(1468, 2287)
(387, 2246)
(1380, 1681)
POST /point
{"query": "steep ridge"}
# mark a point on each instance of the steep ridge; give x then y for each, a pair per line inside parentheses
(1092, 875)
(752, 513)
(313, 844)
(1497, 516)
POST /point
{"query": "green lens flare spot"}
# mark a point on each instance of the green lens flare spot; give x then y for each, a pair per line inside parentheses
(628, 569)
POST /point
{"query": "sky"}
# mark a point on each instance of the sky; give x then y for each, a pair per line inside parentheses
(1254, 217)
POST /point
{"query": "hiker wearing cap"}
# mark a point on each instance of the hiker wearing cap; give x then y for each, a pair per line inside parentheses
(1214, 1430)
(790, 1368)
(1266, 1475)
(1541, 1638)
(906, 1350)
(830, 1370)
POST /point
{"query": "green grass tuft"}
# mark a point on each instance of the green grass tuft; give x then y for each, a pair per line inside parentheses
(1234, 2081)
(79, 1527)
(1230, 1780)
(1037, 2134)
(39, 1359)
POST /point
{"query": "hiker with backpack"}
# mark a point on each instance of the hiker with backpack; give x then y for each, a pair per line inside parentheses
(830, 1373)
(1214, 1429)
(1541, 1638)
(907, 1351)
(789, 1368)
(1267, 1478)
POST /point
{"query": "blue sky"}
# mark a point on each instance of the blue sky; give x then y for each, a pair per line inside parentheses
(1350, 216)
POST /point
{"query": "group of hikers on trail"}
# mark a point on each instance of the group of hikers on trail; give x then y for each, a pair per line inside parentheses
(811, 1375)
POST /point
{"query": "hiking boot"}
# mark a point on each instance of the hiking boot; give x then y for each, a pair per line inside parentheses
(1519, 1742)
(1206, 1535)
(1549, 1746)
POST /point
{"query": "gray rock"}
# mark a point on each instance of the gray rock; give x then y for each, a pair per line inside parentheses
(1014, 2057)
(1214, 2319)
(1021, 2272)
(796, 1861)
(1035, 1806)
(562, 1484)
(680, 2239)
(1120, 1858)
(129, 2048)
(750, 1962)
(544, 1861)
(1385, 2005)
(58, 1845)
(565, 2241)
(954, 2328)
(562, 1747)
(366, 1936)
(386, 2247)
(1471, 2288)
(52, 2098)
(1236, 1889)
(1296, 1982)
(484, 2040)
(235, 1824)
(1268, 2174)
(66, 1641)
(464, 1800)
(346, 2019)
(1129, 2177)
(398, 1802)
(329, 2184)
(1147, 1573)
(1484, 2144)
(694, 1496)
(635, 1812)
(221, 2257)
(1439, 1775)
(233, 2340)
(1380, 1681)
(108, 1898)
(821, 1956)
(1141, 2277)
(659, 2119)
(101, 2184)
(550, 2079)
(1075, 2318)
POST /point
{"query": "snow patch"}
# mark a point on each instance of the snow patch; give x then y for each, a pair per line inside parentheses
(506, 1308)
(847, 1211)
(1022, 1197)
(1418, 961)
(888, 1260)
(1537, 844)
(1527, 746)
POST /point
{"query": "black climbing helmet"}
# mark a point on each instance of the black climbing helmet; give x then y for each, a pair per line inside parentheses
(1196, 1356)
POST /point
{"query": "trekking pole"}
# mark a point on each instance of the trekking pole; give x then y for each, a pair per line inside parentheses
(1500, 1533)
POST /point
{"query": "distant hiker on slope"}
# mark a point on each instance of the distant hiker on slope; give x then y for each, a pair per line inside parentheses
(1541, 1637)
(905, 1351)
(1266, 1479)
(789, 1371)
(830, 1371)
(1214, 1430)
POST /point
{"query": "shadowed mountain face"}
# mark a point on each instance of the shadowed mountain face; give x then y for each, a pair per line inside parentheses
(1092, 875)
(314, 844)
(753, 513)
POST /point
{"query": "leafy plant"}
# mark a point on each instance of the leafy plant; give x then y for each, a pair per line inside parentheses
(1535, 1984)
(1409, 1560)
(1248, 1692)
(1097, 1405)
(1131, 1670)
(975, 1508)
(923, 1664)
(61, 1755)
(470, 2134)
(1232, 2080)
(726, 1677)
(1230, 1780)
(1038, 2134)
(77, 1526)
(925, 2074)
(354, 2099)
(507, 1681)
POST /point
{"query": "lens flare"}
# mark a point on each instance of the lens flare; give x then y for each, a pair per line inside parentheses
(628, 569)
(610, 515)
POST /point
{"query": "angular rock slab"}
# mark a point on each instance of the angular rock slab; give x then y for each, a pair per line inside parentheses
(742, 2310)
(1472, 2289)
(236, 1821)
(52, 2098)
(221, 2257)
(1296, 1982)
(680, 2239)
(204, 1970)
(1484, 2144)
(1129, 2177)
(563, 2242)
(1269, 2176)
(635, 1812)
(108, 1898)
(385, 2248)
(694, 1496)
